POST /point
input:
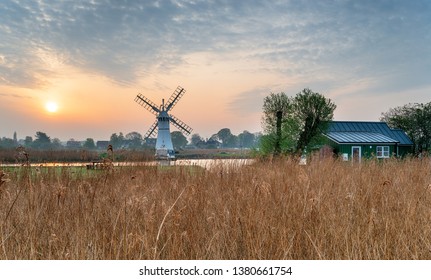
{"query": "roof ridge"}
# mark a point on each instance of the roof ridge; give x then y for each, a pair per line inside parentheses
(360, 121)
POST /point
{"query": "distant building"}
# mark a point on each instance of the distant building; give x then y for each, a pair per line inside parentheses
(73, 144)
(102, 145)
(354, 140)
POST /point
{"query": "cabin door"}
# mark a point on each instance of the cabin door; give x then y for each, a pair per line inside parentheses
(356, 154)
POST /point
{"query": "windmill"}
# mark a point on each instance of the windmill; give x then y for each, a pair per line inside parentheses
(164, 147)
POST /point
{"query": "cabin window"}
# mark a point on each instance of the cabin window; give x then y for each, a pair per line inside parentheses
(382, 151)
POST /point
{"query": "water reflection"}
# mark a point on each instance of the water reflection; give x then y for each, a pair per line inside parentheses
(205, 163)
(209, 163)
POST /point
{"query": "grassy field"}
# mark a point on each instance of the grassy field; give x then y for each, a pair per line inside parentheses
(269, 210)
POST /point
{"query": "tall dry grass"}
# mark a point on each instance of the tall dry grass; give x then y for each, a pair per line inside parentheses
(68, 155)
(279, 210)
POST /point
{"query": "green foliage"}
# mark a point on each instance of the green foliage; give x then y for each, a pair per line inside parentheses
(89, 144)
(231, 142)
(7, 142)
(42, 141)
(117, 140)
(178, 140)
(56, 143)
(304, 118)
(415, 120)
(291, 130)
(28, 141)
(313, 112)
(227, 138)
(224, 134)
(196, 139)
(134, 140)
(275, 102)
(267, 142)
(275, 107)
(246, 139)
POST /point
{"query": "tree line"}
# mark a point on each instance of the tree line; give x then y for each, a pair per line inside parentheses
(224, 138)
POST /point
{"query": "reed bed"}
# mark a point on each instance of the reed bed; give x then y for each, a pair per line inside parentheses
(269, 210)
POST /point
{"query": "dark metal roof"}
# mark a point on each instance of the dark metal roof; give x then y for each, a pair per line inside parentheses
(373, 127)
(360, 137)
(402, 137)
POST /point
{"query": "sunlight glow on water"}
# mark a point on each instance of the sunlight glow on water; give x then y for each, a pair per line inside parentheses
(205, 163)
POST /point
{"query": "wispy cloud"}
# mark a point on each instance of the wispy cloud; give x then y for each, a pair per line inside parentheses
(249, 101)
(15, 95)
(128, 39)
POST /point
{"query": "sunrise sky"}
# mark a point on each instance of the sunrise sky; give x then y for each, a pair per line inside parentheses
(91, 58)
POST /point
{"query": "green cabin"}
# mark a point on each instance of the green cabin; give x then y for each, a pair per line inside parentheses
(354, 140)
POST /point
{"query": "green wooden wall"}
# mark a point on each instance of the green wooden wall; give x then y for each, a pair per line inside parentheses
(367, 151)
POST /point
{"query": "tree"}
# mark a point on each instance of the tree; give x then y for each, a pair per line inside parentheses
(28, 141)
(178, 140)
(196, 139)
(246, 139)
(274, 103)
(257, 138)
(117, 140)
(135, 140)
(224, 135)
(214, 137)
(7, 142)
(275, 108)
(266, 144)
(42, 140)
(292, 124)
(89, 144)
(313, 112)
(232, 142)
(415, 120)
(56, 143)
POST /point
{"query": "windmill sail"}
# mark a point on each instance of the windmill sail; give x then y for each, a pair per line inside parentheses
(180, 125)
(147, 104)
(175, 97)
(151, 131)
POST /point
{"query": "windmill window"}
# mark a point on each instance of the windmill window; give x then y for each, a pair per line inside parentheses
(382, 151)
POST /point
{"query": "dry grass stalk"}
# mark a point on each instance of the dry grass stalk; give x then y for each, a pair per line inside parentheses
(163, 221)
(3, 177)
(280, 210)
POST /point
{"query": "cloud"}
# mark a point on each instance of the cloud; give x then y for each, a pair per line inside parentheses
(249, 102)
(15, 95)
(126, 41)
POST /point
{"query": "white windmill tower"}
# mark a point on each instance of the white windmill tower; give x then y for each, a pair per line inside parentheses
(164, 147)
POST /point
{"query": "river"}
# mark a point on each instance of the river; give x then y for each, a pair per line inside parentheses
(205, 163)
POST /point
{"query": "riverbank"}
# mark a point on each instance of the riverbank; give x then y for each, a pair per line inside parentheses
(204, 163)
(13, 156)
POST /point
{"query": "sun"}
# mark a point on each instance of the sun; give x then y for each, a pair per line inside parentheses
(51, 107)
